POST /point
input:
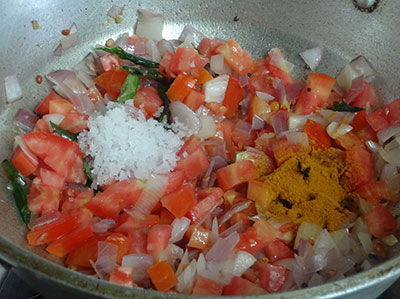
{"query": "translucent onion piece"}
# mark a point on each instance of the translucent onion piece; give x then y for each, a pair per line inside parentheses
(215, 89)
(186, 116)
(179, 227)
(312, 57)
(196, 36)
(152, 193)
(55, 118)
(264, 96)
(140, 263)
(13, 89)
(149, 24)
(392, 156)
(387, 133)
(25, 119)
(208, 127)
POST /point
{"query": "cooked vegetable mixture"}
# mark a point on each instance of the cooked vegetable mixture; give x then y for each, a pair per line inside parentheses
(189, 167)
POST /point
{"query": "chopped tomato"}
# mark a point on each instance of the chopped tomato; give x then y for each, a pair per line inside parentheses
(137, 241)
(112, 82)
(199, 238)
(241, 286)
(216, 108)
(317, 135)
(191, 145)
(204, 206)
(233, 96)
(207, 287)
(279, 68)
(194, 164)
(194, 99)
(166, 217)
(367, 133)
(349, 140)
(43, 107)
(82, 255)
(122, 275)
(62, 155)
(359, 121)
(378, 119)
(315, 93)
(43, 199)
(61, 106)
(115, 198)
(376, 191)
(359, 168)
(175, 181)
(165, 66)
(51, 179)
(181, 87)
(180, 201)
(238, 59)
(74, 122)
(380, 222)
(282, 150)
(248, 241)
(69, 242)
(272, 277)
(366, 96)
(394, 112)
(138, 220)
(261, 193)
(261, 80)
(186, 61)
(121, 241)
(244, 218)
(204, 76)
(235, 174)
(259, 107)
(148, 99)
(277, 250)
(41, 126)
(207, 46)
(333, 97)
(162, 276)
(25, 164)
(157, 239)
(110, 62)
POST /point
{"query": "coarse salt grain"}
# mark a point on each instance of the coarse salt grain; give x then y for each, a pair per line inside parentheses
(123, 145)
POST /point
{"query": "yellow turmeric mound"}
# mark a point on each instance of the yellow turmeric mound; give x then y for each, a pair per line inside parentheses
(308, 189)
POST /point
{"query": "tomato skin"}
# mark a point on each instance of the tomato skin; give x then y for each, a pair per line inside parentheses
(122, 275)
(349, 140)
(194, 164)
(235, 174)
(194, 99)
(207, 287)
(359, 121)
(359, 168)
(157, 239)
(204, 205)
(180, 201)
(233, 96)
(127, 223)
(277, 250)
(112, 81)
(191, 145)
(199, 238)
(241, 286)
(186, 61)
(149, 99)
(43, 107)
(23, 163)
(165, 66)
(374, 192)
(272, 277)
(317, 132)
(315, 93)
(110, 62)
(378, 119)
(238, 59)
(380, 222)
(115, 198)
(248, 242)
(181, 87)
(162, 276)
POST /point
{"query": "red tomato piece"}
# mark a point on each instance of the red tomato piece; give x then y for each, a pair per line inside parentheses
(186, 61)
(162, 276)
(238, 59)
(258, 107)
(367, 96)
(272, 277)
(137, 241)
(204, 76)
(62, 155)
(235, 174)
(74, 122)
(180, 201)
(23, 162)
(207, 47)
(376, 191)
(204, 206)
(190, 146)
(43, 107)
(43, 199)
(148, 99)
(248, 242)
(121, 241)
(315, 93)
(138, 220)
(69, 242)
(51, 179)
(199, 238)
(194, 99)
(74, 199)
(349, 140)
(261, 80)
(207, 287)
(233, 96)
(367, 133)
(378, 119)
(194, 164)
(122, 275)
(175, 181)
(165, 66)
(279, 69)
(181, 87)
(110, 62)
(157, 239)
(359, 168)
(166, 217)
(61, 106)
(115, 198)
(41, 126)
(112, 81)
(277, 250)
(394, 112)
(359, 121)
(241, 286)
(380, 222)
(317, 135)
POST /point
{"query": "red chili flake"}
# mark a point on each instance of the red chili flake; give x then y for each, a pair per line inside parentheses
(39, 79)
(65, 32)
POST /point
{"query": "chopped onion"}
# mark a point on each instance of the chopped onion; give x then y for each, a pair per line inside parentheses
(122, 40)
(357, 86)
(392, 156)
(279, 122)
(236, 208)
(153, 51)
(139, 262)
(58, 50)
(44, 219)
(215, 89)
(364, 206)
(356, 68)
(219, 162)
(106, 258)
(179, 227)
(393, 144)
(115, 11)
(223, 248)
(208, 127)
(149, 24)
(365, 239)
(243, 261)
(387, 133)
(372, 146)
(186, 279)
(164, 46)
(297, 122)
(312, 57)
(336, 88)
(214, 230)
(296, 137)
(323, 243)
(25, 119)
(257, 123)
(218, 66)
(286, 263)
(102, 225)
(13, 89)
(55, 118)
(237, 227)
(196, 36)
(71, 39)
(337, 116)
(171, 254)
(279, 90)
(307, 231)
(294, 89)
(243, 80)
(390, 240)
(335, 130)
(264, 96)
(315, 280)
(186, 116)
(278, 61)
(243, 127)
(151, 194)
(388, 172)
(183, 263)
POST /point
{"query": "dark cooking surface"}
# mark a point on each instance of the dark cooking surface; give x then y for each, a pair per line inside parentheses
(13, 287)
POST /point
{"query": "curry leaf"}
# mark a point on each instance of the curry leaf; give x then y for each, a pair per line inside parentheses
(343, 106)
(166, 113)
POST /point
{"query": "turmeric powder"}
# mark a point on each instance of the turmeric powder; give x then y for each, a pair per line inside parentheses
(308, 189)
